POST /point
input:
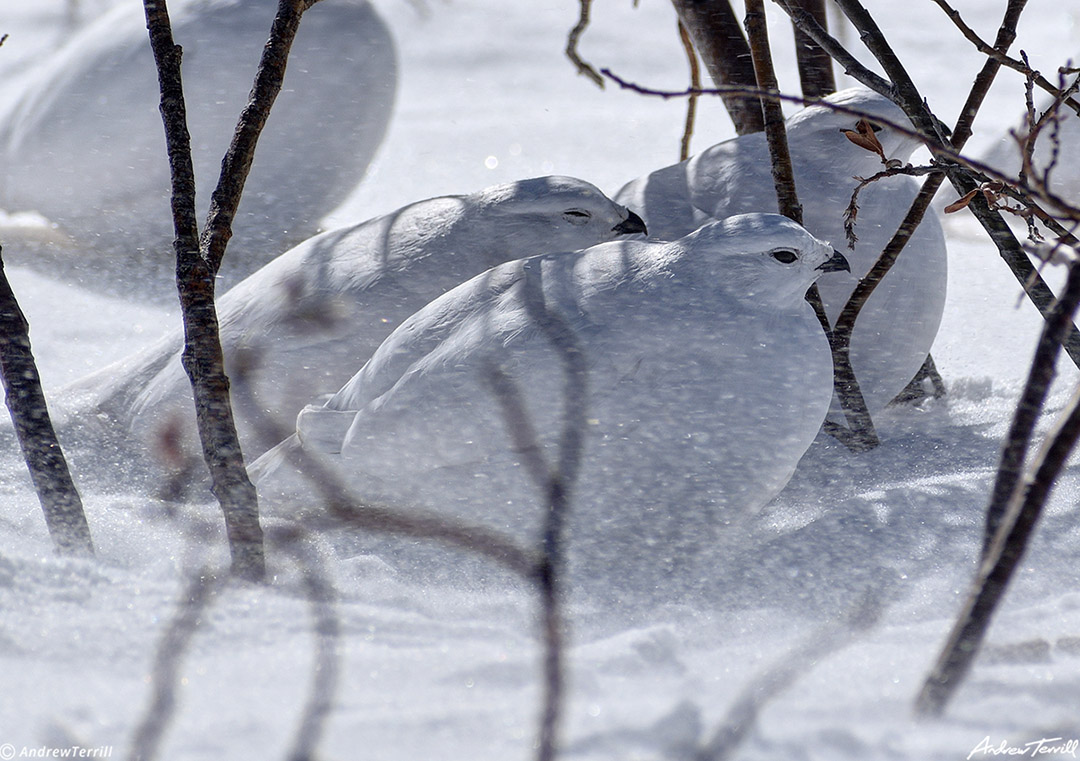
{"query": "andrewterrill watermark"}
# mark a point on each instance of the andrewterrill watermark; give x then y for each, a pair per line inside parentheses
(1044, 746)
(9, 751)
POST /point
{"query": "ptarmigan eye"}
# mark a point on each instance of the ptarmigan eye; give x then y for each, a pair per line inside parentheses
(785, 256)
(576, 216)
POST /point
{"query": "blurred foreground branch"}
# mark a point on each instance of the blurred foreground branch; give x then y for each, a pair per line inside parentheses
(741, 718)
(205, 586)
(691, 102)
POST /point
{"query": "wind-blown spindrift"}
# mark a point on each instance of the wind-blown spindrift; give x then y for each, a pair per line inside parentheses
(707, 378)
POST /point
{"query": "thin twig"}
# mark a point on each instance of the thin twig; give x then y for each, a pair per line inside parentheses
(952, 159)
(779, 156)
(346, 510)
(691, 102)
(572, 38)
(806, 23)
(851, 214)
(718, 38)
(1006, 35)
(1000, 57)
(557, 490)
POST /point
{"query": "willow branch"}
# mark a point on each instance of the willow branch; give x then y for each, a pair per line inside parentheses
(572, 39)
(808, 24)
(814, 63)
(718, 37)
(60, 502)
(1017, 518)
(172, 649)
(994, 52)
(236, 165)
(691, 102)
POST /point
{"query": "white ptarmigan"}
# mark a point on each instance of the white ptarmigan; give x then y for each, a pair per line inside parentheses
(708, 376)
(83, 143)
(897, 326)
(304, 323)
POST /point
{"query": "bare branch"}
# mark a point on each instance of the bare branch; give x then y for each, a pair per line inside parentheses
(198, 264)
(716, 33)
(572, 43)
(815, 64)
(346, 510)
(808, 24)
(202, 357)
(995, 53)
(557, 490)
(851, 214)
(237, 162)
(691, 102)
(1006, 35)
(60, 501)
(327, 630)
(779, 156)
(1014, 510)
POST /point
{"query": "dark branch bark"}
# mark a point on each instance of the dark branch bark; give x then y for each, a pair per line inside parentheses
(772, 114)
(807, 23)
(237, 162)
(48, 468)
(719, 40)
(860, 434)
(815, 64)
(197, 264)
(1018, 515)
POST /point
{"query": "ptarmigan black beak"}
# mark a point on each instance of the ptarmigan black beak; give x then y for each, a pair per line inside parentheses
(838, 263)
(632, 224)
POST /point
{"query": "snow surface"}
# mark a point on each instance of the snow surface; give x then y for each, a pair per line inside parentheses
(451, 670)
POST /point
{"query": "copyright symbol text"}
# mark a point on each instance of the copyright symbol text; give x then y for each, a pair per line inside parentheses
(7, 751)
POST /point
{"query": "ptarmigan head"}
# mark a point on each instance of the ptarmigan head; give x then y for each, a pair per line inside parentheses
(561, 213)
(819, 131)
(764, 260)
